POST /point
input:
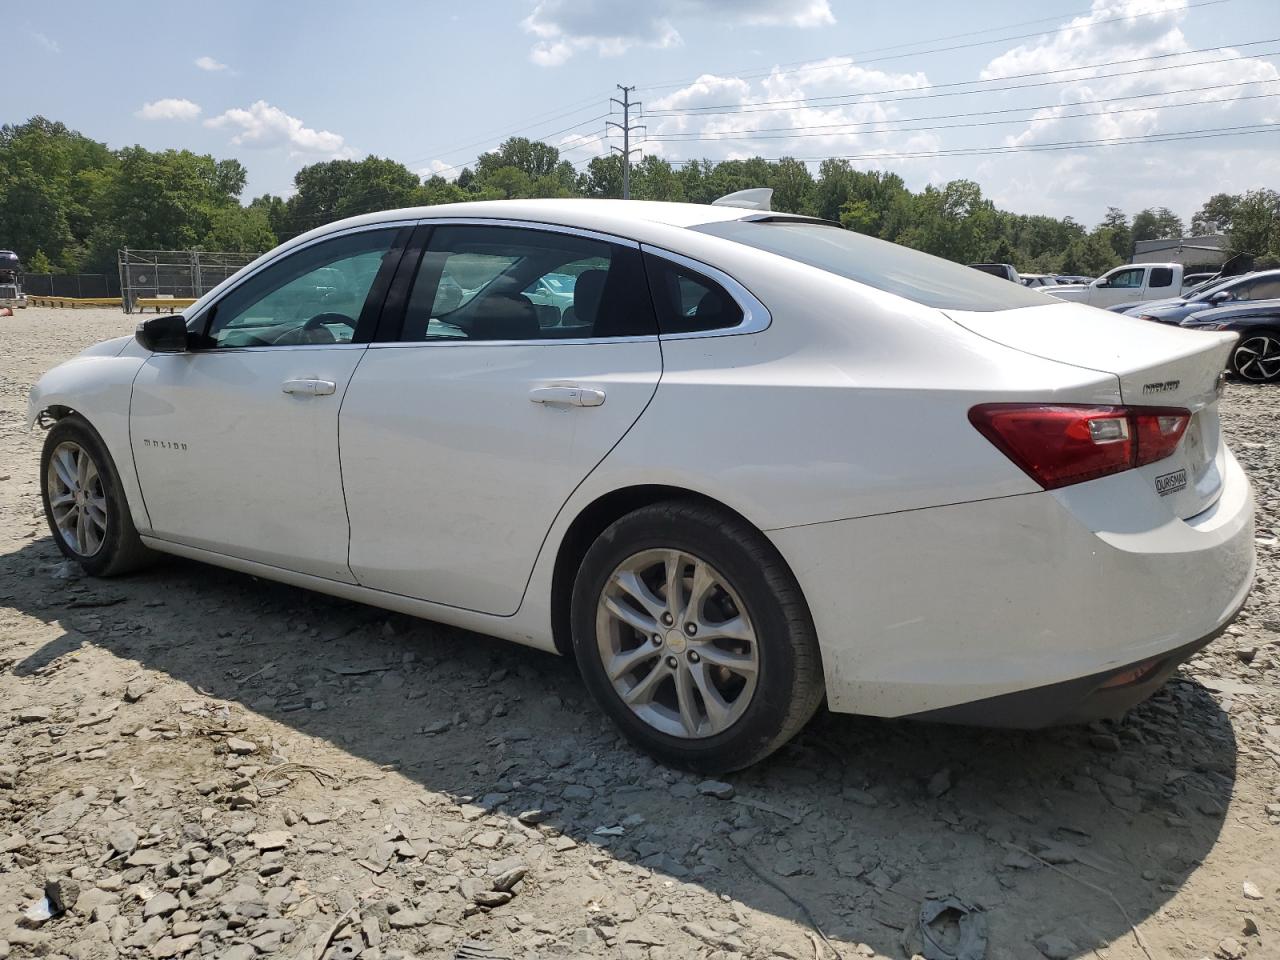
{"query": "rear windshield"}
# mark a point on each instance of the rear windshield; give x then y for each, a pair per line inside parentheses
(886, 266)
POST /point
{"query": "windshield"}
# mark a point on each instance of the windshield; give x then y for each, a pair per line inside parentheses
(895, 269)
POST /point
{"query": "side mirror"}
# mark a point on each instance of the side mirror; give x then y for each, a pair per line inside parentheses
(1102, 282)
(163, 334)
(1219, 295)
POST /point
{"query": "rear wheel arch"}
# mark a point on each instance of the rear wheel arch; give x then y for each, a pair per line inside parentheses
(592, 521)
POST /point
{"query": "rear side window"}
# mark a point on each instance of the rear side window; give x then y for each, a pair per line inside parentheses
(688, 302)
(1161, 277)
(895, 269)
(512, 283)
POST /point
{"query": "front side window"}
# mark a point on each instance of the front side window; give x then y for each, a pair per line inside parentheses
(313, 296)
(512, 283)
(919, 277)
(1125, 279)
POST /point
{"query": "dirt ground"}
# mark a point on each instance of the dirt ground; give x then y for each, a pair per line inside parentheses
(195, 762)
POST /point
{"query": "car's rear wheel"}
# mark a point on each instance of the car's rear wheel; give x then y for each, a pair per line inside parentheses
(1256, 357)
(692, 634)
(83, 503)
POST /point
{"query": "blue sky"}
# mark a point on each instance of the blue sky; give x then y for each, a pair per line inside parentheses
(279, 85)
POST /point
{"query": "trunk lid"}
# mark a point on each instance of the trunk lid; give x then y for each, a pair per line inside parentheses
(1155, 365)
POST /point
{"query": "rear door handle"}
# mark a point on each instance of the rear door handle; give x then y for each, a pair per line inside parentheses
(567, 395)
(309, 388)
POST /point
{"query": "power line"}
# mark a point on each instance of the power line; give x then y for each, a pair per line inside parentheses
(982, 113)
(733, 136)
(800, 64)
(768, 105)
(1051, 146)
(579, 108)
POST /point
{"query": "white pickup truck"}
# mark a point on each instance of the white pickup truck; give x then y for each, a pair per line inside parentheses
(1133, 282)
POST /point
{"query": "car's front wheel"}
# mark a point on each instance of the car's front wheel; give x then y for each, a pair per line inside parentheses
(83, 503)
(1256, 357)
(692, 634)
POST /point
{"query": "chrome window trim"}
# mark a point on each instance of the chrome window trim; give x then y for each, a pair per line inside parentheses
(529, 225)
(540, 342)
(258, 348)
(755, 315)
(361, 228)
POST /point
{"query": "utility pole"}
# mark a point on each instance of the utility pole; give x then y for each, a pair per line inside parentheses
(626, 126)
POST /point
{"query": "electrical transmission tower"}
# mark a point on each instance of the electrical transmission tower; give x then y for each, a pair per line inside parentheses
(626, 126)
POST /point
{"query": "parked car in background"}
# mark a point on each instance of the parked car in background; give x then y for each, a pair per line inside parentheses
(1038, 280)
(1256, 355)
(1004, 271)
(1264, 285)
(11, 294)
(1073, 278)
(1134, 282)
(1186, 294)
(726, 519)
(1192, 280)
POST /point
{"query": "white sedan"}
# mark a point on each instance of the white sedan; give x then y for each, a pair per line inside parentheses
(744, 461)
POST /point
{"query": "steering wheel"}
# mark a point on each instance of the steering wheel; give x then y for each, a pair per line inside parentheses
(316, 330)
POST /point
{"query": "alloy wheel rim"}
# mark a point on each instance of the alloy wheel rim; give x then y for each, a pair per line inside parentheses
(77, 499)
(677, 643)
(1258, 358)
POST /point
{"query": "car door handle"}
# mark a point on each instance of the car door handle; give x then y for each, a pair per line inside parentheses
(567, 395)
(310, 388)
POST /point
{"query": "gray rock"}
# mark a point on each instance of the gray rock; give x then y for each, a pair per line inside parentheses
(410, 918)
(167, 947)
(575, 792)
(940, 783)
(215, 868)
(33, 714)
(242, 747)
(787, 866)
(8, 775)
(716, 788)
(1055, 946)
(123, 839)
(1251, 892)
(161, 905)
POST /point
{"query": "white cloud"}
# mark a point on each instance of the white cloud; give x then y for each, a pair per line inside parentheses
(264, 125)
(438, 168)
(210, 64)
(1178, 174)
(45, 41)
(759, 117)
(170, 108)
(611, 27)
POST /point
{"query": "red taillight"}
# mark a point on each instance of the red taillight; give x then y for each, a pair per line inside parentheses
(1061, 444)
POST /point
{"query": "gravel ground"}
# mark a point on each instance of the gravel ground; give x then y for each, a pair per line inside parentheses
(197, 763)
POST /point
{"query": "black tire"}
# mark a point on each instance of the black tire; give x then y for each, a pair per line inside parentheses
(1250, 341)
(120, 550)
(789, 685)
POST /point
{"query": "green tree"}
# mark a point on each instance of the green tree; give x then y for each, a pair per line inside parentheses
(39, 263)
(1255, 223)
(1158, 224)
(1216, 215)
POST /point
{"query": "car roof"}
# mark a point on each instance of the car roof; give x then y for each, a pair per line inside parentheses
(622, 217)
(1246, 308)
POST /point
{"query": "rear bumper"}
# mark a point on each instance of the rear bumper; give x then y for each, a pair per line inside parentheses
(1105, 695)
(1016, 611)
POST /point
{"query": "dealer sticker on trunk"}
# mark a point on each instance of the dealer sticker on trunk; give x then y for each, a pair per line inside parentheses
(1168, 483)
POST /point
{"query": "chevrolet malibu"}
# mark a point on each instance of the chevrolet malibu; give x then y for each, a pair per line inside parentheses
(740, 462)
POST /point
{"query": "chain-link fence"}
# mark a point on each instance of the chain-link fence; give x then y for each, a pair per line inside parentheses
(174, 273)
(70, 285)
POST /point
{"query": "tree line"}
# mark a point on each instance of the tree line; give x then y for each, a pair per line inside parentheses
(68, 203)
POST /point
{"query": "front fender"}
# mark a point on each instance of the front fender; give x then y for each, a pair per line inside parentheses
(98, 387)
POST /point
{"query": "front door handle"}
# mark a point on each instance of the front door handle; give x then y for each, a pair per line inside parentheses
(567, 395)
(309, 388)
